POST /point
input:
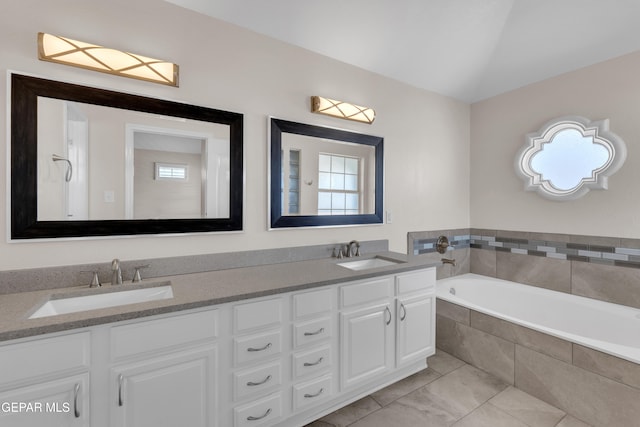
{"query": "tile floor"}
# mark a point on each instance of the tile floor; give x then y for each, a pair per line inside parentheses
(449, 393)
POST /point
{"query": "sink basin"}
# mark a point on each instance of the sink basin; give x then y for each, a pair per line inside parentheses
(57, 306)
(365, 264)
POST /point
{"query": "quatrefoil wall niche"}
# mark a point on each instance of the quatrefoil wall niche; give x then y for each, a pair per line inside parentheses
(569, 156)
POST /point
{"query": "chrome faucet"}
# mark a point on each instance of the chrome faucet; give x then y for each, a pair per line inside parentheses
(349, 248)
(116, 272)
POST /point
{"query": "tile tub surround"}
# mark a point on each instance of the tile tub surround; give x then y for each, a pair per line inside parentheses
(585, 383)
(604, 268)
(449, 393)
(35, 279)
(421, 244)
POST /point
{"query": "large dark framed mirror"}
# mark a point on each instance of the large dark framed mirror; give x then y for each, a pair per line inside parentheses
(322, 176)
(95, 162)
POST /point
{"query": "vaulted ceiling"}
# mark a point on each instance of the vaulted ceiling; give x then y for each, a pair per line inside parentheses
(467, 49)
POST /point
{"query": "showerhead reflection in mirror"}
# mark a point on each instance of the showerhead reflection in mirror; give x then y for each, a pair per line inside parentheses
(569, 156)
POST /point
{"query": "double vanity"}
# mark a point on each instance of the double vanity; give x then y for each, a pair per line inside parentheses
(279, 344)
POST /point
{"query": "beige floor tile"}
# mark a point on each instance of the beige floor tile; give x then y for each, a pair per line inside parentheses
(488, 415)
(351, 413)
(457, 393)
(526, 408)
(399, 415)
(405, 386)
(319, 424)
(443, 362)
(570, 421)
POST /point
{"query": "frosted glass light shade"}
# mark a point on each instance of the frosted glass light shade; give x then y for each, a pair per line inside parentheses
(98, 58)
(343, 110)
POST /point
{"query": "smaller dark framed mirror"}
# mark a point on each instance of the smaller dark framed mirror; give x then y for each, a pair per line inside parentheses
(322, 176)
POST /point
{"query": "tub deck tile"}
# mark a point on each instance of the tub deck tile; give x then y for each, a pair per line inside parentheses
(544, 343)
(609, 366)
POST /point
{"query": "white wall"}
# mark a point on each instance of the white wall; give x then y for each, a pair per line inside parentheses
(498, 127)
(225, 67)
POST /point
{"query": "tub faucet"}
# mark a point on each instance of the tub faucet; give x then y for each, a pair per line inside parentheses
(449, 261)
(350, 252)
(116, 272)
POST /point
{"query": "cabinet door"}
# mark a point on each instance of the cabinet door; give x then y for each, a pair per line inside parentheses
(169, 391)
(415, 328)
(367, 341)
(58, 403)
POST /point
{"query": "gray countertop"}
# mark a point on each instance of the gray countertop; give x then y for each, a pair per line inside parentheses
(190, 291)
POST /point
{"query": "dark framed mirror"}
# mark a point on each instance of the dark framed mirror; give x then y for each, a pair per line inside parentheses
(321, 176)
(94, 162)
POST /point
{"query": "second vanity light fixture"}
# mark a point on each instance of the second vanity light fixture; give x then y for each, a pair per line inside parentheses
(341, 109)
(98, 58)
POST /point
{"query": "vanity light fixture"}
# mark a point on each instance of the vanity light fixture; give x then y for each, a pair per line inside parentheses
(98, 58)
(343, 110)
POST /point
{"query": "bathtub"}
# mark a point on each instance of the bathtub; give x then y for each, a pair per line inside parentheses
(610, 328)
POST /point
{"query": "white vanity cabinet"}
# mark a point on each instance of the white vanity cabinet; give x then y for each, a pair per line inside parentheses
(258, 370)
(386, 323)
(367, 330)
(284, 359)
(415, 316)
(45, 382)
(163, 372)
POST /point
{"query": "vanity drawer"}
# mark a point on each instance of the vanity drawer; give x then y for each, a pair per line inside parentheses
(423, 280)
(259, 314)
(46, 356)
(311, 362)
(263, 412)
(366, 292)
(312, 331)
(257, 380)
(312, 303)
(312, 392)
(153, 335)
(257, 347)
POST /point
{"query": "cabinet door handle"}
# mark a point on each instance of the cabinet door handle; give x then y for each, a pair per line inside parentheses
(310, 396)
(259, 349)
(403, 311)
(120, 384)
(319, 331)
(252, 384)
(252, 418)
(307, 364)
(76, 392)
(389, 313)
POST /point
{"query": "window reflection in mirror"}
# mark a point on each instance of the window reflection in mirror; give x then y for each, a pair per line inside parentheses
(327, 177)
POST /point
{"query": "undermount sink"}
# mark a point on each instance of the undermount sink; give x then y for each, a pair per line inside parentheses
(365, 264)
(57, 306)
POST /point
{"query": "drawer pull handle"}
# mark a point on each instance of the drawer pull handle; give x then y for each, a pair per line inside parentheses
(307, 364)
(318, 332)
(253, 384)
(259, 349)
(266, 414)
(389, 313)
(403, 311)
(120, 381)
(76, 409)
(310, 396)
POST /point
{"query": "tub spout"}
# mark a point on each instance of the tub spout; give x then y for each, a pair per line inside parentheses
(449, 261)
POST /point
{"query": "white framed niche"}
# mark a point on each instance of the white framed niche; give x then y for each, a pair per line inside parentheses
(569, 156)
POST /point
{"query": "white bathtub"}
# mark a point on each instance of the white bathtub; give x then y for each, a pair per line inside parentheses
(610, 328)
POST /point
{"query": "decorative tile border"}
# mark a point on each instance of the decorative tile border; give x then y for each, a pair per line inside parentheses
(583, 252)
(426, 246)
